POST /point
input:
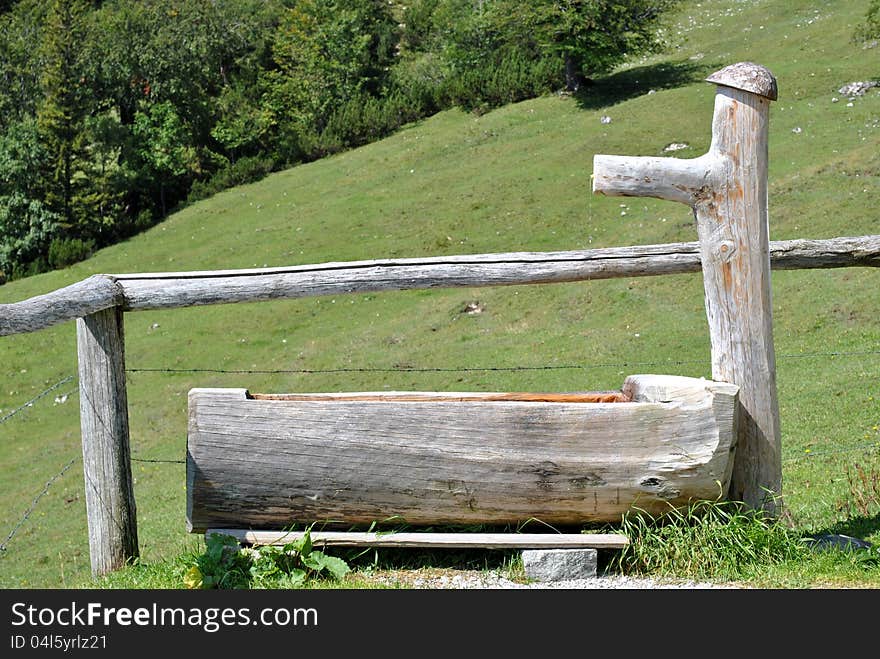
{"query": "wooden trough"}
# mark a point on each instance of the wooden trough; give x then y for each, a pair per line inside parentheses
(270, 461)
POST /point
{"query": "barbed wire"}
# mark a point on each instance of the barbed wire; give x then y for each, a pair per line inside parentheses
(417, 369)
(393, 369)
(36, 398)
(870, 445)
(864, 446)
(842, 353)
(33, 505)
(156, 460)
(466, 369)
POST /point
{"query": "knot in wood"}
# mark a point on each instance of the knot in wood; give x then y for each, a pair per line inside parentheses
(725, 250)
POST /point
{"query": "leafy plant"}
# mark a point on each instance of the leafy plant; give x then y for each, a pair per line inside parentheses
(870, 29)
(27, 226)
(225, 565)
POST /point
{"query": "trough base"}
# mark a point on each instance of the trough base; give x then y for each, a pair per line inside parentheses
(559, 564)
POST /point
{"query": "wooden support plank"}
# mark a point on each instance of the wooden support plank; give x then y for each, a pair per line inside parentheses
(267, 463)
(432, 540)
(727, 189)
(110, 503)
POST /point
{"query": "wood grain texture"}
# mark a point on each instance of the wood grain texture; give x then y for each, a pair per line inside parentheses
(110, 504)
(733, 227)
(265, 464)
(458, 540)
(727, 188)
(89, 296)
(169, 290)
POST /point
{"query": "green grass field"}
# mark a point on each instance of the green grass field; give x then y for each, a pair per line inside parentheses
(515, 179)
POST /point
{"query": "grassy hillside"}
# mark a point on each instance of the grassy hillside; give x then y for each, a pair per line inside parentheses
(514, 179)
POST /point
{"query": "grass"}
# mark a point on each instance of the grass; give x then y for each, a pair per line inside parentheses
(514, 179)
(718, 541)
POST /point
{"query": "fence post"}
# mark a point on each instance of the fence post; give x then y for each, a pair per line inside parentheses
(727, 188)
(110, 504)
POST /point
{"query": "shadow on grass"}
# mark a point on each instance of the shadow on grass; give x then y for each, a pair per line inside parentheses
(856, 527)
(415, 558)
(476, 558)
(623, 85)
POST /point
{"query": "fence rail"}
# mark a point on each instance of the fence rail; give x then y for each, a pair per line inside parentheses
(137, 292)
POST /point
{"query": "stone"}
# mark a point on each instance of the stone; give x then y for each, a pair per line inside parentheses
(836, 541)
(559, 564)
(854, 89)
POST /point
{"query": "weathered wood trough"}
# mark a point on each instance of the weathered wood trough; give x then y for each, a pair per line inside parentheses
(424, 458)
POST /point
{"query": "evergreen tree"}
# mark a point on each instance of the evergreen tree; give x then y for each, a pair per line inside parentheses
(62, 114)
(20, 65)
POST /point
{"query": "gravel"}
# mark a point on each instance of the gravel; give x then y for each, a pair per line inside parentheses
(491, 580)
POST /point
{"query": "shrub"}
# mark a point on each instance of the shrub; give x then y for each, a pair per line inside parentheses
(26, 229)
(870, 29)
(244, 170)
(515, 78)
(67, 251)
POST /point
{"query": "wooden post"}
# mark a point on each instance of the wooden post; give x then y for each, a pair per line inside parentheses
(727, 188)
(110, 504)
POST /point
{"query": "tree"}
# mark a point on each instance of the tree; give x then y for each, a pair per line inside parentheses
(199, 61)
(326, 53)
(589, 37)
(27, 227)
(61, 115)
(20, 63)
(581, 37)
(165, 149)
(243, 126)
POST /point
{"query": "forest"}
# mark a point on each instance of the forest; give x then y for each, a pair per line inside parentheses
(114, 114)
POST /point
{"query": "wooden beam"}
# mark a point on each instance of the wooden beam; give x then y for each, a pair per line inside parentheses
(169, 290)
(431, 540)
(110, 504)
(137, 292)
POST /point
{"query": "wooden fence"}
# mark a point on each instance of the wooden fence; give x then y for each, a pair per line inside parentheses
(727, 188)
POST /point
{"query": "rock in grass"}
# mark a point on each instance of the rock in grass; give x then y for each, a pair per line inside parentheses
(559, 564)
(858, 88)
(836, 541)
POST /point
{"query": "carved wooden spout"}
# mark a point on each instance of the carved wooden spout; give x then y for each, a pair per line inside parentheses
(727, 188)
